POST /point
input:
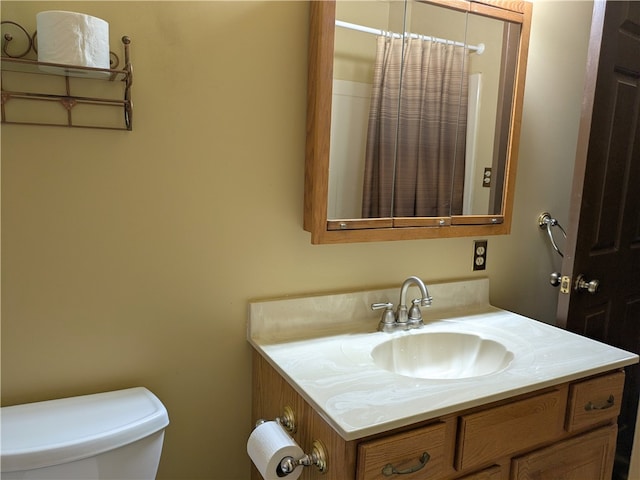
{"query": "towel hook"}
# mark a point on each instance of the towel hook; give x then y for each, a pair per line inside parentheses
(546, 221)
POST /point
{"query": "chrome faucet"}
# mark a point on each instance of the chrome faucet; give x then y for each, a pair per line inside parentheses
(404, 317)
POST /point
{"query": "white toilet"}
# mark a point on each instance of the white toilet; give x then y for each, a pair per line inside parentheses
(112, 435)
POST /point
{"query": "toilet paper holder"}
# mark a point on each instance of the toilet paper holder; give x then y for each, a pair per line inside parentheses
(287, 420)
(317, 457)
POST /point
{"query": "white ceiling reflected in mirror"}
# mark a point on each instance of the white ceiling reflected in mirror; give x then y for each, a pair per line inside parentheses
(411, 106)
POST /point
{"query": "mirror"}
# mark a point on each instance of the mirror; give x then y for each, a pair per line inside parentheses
(415, 148)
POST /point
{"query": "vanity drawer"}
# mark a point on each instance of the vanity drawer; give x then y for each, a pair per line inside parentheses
(405, 452)
(595, 400)
(500, 431)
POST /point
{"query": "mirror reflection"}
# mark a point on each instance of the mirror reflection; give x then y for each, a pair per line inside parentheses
(419, 123)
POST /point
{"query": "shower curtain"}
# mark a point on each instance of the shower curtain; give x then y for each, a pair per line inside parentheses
(414, 163)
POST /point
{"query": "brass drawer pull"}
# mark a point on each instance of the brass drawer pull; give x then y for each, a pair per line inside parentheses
(608, 404)
(389, 469)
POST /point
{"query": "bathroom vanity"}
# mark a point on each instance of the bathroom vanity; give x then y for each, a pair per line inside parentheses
(545, 406)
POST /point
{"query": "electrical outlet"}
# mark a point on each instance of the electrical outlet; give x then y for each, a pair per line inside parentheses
(486, 177)
(480, 254)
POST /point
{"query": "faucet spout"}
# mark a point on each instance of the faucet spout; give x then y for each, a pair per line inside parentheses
(402, 314)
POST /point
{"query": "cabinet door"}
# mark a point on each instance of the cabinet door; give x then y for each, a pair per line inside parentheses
(588, 456)
(493, 473)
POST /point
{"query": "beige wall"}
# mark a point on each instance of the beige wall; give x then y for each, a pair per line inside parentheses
(553, 95)
(129, 257)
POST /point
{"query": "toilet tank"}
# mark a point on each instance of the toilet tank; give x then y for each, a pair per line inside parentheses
(114, 435)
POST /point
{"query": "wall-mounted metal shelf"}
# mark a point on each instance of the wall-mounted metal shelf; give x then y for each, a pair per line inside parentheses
(82, 97)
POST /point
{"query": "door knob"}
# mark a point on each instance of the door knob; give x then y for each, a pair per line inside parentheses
(583, 286)
(555, 278)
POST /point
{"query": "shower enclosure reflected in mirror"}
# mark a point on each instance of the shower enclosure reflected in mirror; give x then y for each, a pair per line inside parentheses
(422, 103)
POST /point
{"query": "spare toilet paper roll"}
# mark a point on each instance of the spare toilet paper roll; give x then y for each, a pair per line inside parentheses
(268, 444)
(72, 38)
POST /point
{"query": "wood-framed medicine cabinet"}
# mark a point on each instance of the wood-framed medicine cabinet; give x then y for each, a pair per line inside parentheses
(342, 50)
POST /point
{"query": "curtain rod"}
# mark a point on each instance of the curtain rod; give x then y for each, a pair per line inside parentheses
(352, 26)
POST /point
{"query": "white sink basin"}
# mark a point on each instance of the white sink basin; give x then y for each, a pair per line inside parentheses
(442, 355)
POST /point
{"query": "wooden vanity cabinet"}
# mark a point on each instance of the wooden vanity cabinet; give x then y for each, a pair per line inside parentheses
(567, 431)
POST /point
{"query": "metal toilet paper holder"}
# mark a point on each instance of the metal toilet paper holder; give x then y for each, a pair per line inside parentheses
(317, 457)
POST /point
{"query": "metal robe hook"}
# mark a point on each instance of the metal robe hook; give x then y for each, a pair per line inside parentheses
(546, 221)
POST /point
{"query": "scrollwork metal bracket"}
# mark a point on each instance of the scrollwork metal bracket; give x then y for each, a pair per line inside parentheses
(19, 54)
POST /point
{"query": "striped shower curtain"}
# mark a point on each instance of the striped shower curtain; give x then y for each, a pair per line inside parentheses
(414, 162)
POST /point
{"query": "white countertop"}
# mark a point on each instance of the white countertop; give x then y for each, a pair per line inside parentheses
(322, 346)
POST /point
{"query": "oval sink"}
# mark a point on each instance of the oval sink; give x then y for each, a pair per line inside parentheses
(442, 355)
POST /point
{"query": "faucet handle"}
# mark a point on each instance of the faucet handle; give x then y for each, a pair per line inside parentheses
(388, 320)
(381, 305)
(415, 315)
(414, 311)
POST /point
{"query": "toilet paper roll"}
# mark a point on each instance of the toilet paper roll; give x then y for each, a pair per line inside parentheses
(72, 38)
(268, 444)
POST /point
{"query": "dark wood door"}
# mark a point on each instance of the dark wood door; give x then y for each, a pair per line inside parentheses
(603, 238)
